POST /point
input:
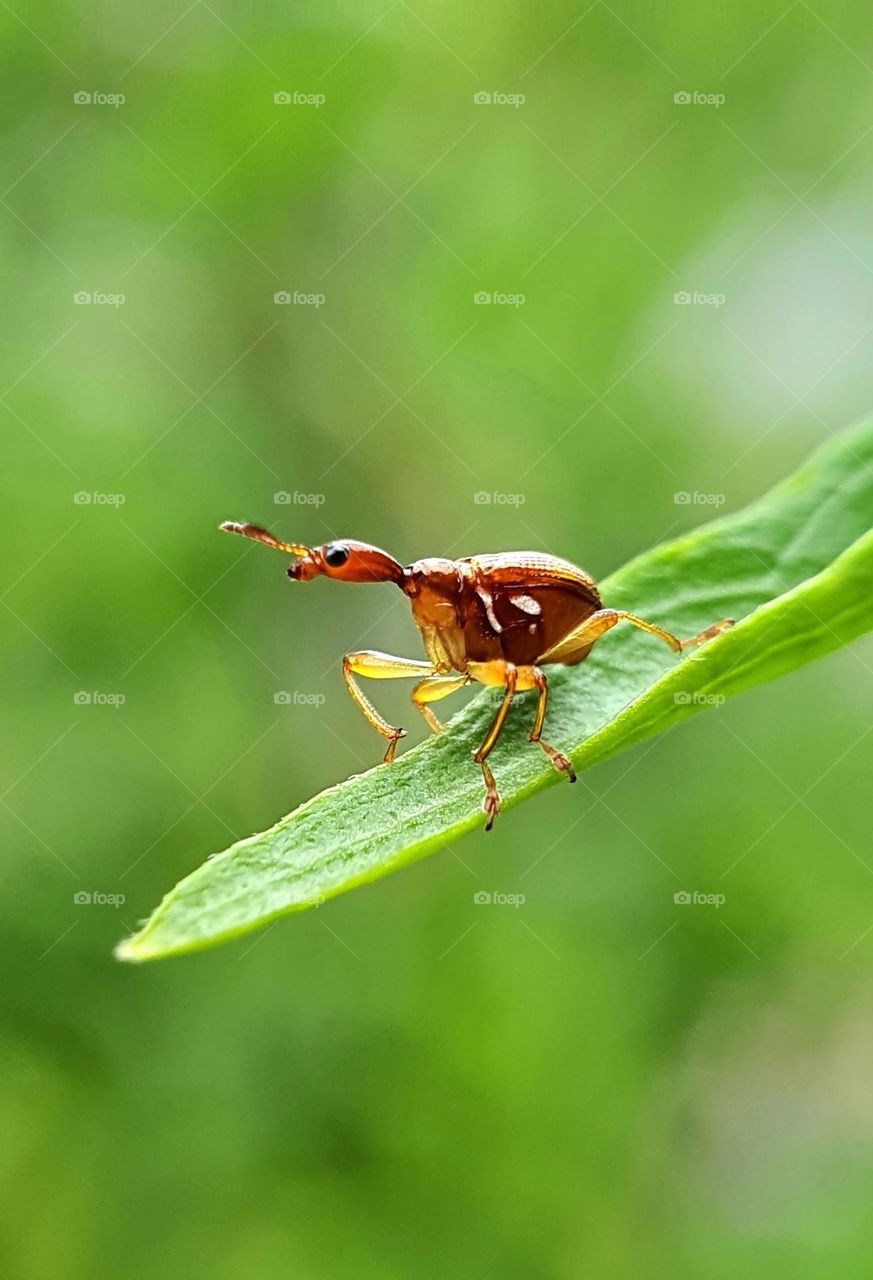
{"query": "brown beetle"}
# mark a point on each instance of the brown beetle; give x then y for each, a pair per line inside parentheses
(498, 619)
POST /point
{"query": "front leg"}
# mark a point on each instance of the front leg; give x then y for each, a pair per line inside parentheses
(432, 689)
(380, 666)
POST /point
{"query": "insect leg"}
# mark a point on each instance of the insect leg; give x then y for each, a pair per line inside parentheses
(576, 644)
(675, 644)
(558, 759)
(431, 689)
(380, 666)
(491, 803)
(709, 634)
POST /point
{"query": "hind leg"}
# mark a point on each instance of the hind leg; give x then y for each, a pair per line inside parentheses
(558, 759)
(580, 640)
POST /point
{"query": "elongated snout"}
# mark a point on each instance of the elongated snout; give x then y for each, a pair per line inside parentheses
(346, 560)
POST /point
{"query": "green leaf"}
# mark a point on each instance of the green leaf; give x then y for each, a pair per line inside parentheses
(795, 570)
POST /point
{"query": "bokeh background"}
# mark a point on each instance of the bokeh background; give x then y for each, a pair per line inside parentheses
(600, 1081)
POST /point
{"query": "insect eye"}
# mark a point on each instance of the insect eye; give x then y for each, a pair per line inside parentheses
(336, 554)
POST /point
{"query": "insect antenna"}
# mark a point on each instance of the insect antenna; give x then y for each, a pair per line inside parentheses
(257, 534)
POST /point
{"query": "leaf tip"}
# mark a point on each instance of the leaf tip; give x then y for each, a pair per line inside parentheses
(135, 949)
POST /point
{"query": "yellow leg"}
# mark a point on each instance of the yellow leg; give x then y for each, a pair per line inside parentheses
(491, 803)
(558, 759)
(432, 689)
(575, 645)
(709, 634)
(380, 666)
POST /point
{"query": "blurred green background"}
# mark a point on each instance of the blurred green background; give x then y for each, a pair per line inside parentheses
(600, 1082)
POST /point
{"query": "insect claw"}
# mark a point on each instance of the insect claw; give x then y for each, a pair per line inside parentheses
(567, 767)
(392, 745)
(491, 808)
(558, 759)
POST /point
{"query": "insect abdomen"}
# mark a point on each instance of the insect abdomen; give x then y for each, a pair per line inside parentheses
(519, 624)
